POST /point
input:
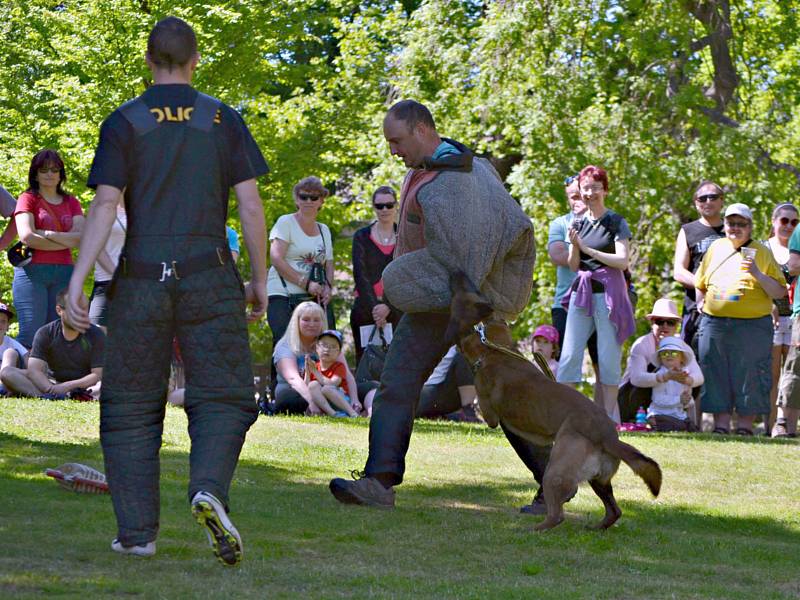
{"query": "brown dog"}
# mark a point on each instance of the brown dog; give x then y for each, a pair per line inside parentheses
(514, 391)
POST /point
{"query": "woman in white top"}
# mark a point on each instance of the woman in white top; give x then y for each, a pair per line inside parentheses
(301, 252)
(784, 220)
(106, 265)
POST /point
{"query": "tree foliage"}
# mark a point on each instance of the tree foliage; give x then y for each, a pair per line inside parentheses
(662, 93)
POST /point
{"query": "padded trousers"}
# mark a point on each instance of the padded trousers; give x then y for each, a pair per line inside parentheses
(206, 313)
(417, 347)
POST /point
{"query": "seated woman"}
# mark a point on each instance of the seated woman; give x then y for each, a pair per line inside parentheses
(292, 394)
(640, 375)
(449, 391)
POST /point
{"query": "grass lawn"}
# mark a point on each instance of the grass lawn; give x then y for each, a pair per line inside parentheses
(727, 523)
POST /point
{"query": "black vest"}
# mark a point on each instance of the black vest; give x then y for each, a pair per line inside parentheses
(698, 238)
(177, 196)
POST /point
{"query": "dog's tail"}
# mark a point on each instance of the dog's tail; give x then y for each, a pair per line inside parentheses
(644, 466)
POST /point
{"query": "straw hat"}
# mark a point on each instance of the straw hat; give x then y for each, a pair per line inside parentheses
(664, 308)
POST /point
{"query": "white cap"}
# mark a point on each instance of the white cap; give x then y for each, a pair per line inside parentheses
(739, 209)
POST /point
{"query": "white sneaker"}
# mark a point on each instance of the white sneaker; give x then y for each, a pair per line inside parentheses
(148, 549)
(222, 535)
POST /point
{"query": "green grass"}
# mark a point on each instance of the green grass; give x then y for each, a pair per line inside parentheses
(727, 524)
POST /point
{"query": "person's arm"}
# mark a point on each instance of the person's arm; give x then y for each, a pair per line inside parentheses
(774, 289)
(104, 260)
(574, 254)
(7, 202)
(37, 373)
(102, 213)
(287, 367)
(71, 238)
(327, 288)
(680, 262)
(277, 255)
(86, 381)
(32, 237)
(335, 380)
(251, 211)
(616, 260)
(637, 367)
(361, 272)
(558, 253)
(794, 263)
(351, 384)
(693, 370)
(9, 234)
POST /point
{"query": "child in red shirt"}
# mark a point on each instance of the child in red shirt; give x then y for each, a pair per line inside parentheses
(326, 378)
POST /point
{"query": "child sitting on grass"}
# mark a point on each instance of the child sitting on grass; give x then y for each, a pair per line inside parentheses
(326, 379)
(672, 402)
(545, 342)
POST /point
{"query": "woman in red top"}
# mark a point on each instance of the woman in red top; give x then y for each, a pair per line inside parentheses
(50, 221)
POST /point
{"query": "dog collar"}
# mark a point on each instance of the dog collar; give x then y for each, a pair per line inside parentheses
(539, 360)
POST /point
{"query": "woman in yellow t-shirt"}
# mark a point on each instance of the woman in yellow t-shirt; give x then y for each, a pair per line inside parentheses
(736, 283)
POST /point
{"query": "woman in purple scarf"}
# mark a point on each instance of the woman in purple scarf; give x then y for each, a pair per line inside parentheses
(598, 300)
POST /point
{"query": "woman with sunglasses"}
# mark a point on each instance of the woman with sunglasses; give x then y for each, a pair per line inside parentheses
(301, 253)
(373, 249)
(736, 284)
(784, 220)
(598, 299)
(640, 376)
(50, 221)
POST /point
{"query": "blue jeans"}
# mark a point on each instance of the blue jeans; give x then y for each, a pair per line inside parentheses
(580, 327)
(735, 356)
(35, 288)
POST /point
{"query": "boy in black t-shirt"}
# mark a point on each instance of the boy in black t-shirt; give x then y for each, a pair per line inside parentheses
(74, 359)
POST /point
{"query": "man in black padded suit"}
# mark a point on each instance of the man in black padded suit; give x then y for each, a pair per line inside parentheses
(175, 153)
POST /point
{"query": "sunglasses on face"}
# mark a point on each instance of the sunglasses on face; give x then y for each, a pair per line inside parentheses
(707, 198)
(308, 197)
(44, 170)
(787, 221)
(737, 224)
(384, 205)
(670, 354)
(665, 322)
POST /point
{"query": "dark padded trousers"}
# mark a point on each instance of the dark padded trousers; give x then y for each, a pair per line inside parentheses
(417, 347)
(206, 312)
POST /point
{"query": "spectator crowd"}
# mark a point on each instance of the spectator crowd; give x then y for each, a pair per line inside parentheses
(731, 352)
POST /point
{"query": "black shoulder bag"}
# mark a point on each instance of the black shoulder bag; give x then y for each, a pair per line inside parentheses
(371, 364)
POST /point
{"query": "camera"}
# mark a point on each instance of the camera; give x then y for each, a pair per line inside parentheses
(317, 274)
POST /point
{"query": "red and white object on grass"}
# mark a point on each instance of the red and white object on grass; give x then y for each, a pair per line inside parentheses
(79, 478)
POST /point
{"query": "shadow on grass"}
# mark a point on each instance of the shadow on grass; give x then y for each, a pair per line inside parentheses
(439, 535)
